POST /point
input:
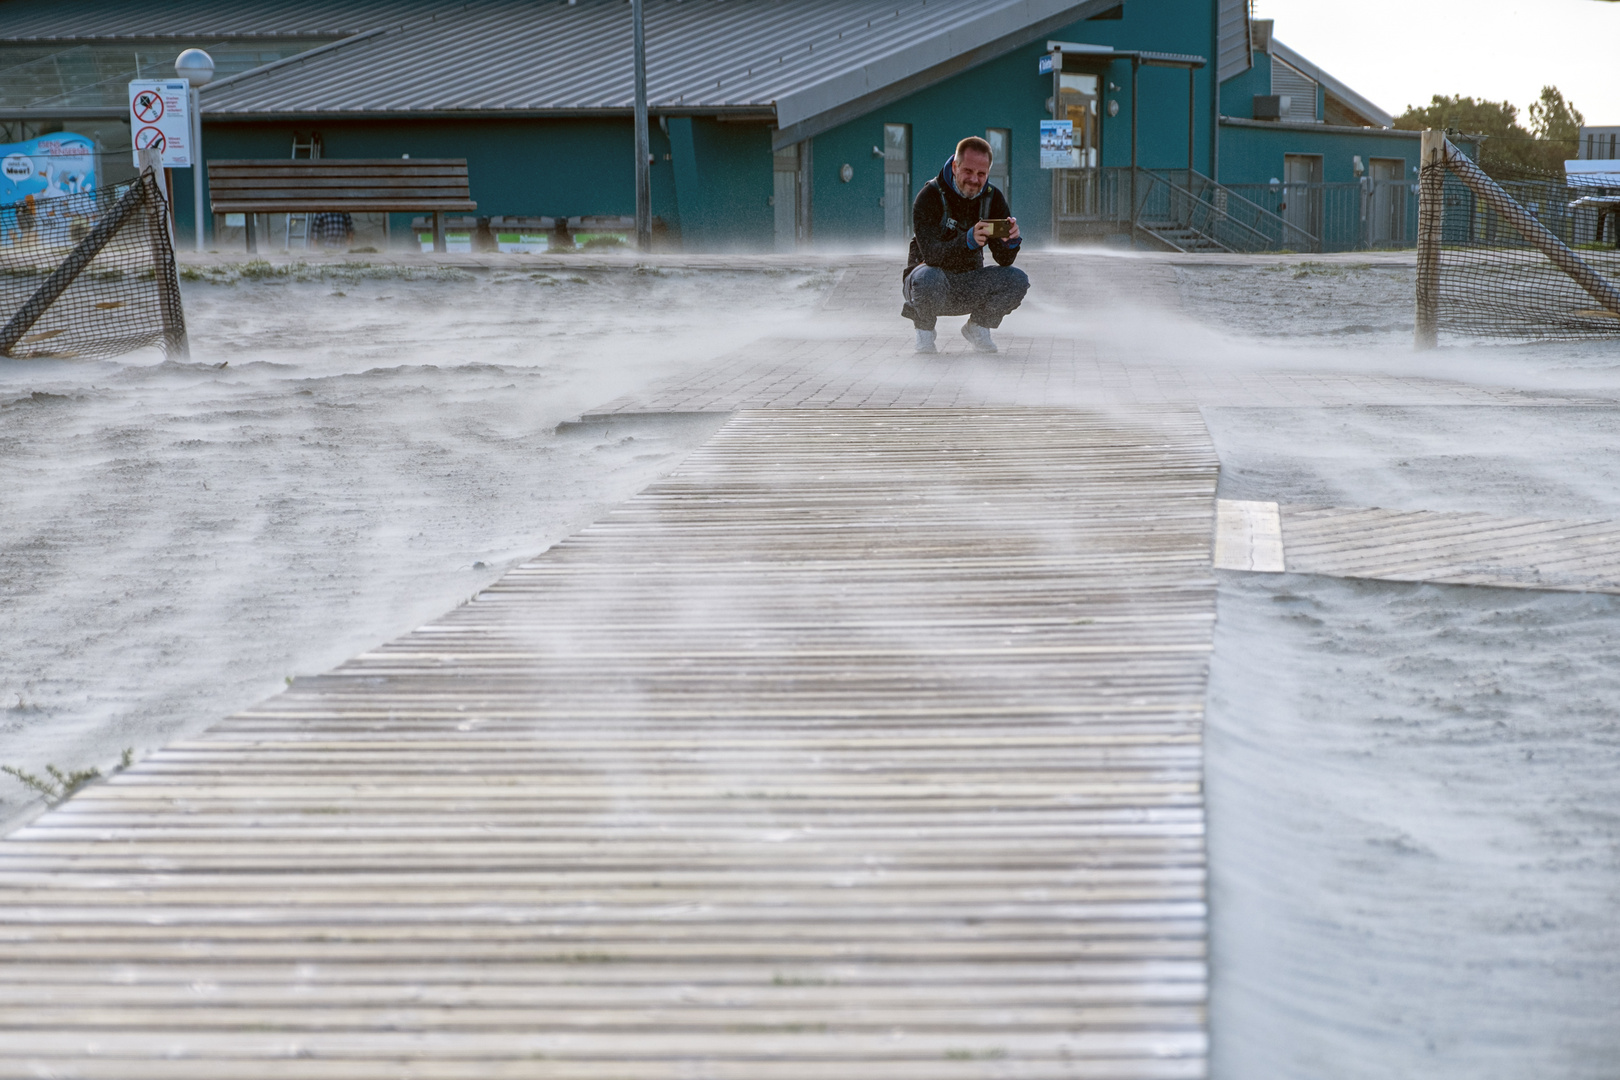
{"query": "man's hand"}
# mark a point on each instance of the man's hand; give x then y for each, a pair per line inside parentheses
(981, 232)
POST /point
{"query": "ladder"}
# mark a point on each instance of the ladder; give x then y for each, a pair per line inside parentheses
(308, 150)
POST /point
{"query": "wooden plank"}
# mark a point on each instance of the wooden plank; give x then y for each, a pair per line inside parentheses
(865, 744)
(1457, 548)
(1248, 536)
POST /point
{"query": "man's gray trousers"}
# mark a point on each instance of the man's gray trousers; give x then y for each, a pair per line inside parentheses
(986, 294)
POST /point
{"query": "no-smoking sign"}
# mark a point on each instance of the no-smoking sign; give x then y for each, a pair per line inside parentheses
(160, 117)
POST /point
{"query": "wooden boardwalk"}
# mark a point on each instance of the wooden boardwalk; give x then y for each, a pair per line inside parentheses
(865, 746)
(1452, 548)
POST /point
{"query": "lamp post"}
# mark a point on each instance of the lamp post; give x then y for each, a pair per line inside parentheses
(197, 68)
(643, 147)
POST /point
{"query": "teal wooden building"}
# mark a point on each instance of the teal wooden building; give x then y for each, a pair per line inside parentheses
(776, 123)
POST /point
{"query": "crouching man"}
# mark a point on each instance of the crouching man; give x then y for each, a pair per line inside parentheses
(957, 215)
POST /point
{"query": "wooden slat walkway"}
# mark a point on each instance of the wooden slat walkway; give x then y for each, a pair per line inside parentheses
(1573, 555)
(867, 745)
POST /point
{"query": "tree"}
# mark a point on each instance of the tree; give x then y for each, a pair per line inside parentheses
(1557, 123)
(1507, 147)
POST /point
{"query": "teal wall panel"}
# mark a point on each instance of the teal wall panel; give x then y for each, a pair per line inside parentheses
(1238, 93)
(1010, 92)
(724, 192)
(1254, 155)
(555, 167)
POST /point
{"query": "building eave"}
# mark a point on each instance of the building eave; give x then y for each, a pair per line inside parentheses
(1334, 129)
(1333, 86)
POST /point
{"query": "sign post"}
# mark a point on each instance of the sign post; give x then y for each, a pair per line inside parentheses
(643, 150)
(197, 68)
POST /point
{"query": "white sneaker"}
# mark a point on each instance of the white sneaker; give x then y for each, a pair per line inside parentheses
(925, 341)
(979, 337)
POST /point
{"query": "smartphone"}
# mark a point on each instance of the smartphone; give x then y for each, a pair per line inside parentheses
(1000, 228)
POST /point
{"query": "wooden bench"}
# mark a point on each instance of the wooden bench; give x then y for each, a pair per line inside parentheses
(340, 185)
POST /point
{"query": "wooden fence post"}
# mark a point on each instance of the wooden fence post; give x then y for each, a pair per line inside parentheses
(1432, 156)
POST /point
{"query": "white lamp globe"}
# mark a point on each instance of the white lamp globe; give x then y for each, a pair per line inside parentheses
(195, 66)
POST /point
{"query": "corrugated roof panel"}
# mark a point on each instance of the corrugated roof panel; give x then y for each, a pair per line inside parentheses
(92, 20)
(536, 55)
(1234, 40)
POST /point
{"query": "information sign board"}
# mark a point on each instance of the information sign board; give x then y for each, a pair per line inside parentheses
(51, 165)
(1057, 145)
(160, 115)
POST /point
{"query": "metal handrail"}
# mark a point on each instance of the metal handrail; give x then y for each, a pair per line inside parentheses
(1204, 215)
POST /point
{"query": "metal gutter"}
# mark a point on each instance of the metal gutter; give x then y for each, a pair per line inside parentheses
(754, 114)
(1336, 129)
(60, 112)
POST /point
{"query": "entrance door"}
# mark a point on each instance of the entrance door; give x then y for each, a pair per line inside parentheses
(1388, 201)
(1302, 192)
(897, 195)
(785, 196)
(1077, 101)
(1000, 140)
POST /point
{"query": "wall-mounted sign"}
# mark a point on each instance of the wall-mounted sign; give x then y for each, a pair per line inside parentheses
(1057, 145)
(51, 165)
(160, 116)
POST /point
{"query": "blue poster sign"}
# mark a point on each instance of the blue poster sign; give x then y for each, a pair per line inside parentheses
(47, 167)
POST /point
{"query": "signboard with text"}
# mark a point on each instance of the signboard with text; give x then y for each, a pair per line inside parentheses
(1057, 145)
(160, 116)
(46, 167)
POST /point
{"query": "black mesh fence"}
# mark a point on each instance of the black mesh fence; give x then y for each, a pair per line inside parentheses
(1529, 263)
(90, 274)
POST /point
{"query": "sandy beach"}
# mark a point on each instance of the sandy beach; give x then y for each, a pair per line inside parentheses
(1414, 823)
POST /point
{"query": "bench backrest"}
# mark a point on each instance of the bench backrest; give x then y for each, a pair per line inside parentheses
(358, 185)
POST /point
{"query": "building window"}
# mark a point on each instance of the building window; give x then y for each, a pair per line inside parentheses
(897, 182)
(1000, 140)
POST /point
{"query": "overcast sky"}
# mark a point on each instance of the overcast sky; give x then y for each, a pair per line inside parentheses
(1402, 52)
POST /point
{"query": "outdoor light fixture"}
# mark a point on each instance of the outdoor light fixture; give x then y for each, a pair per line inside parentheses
(877, 152)
(1113, 106)
(195, 66)
(847, 173)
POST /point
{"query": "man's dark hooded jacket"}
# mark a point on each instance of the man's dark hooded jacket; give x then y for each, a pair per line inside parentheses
(951, 250)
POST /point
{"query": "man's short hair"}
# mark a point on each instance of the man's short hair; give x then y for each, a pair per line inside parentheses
(975, 144)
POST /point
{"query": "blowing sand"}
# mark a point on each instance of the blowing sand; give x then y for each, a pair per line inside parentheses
(1413, 798)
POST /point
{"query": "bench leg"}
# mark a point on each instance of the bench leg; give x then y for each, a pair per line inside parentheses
(252, 233)
(438, 231)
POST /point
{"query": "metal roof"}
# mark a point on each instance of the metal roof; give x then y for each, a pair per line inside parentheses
(805, 62)
(26, 21)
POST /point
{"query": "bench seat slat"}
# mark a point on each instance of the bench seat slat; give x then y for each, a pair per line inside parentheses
(302, 175)
(339, 191)
(321, 206)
